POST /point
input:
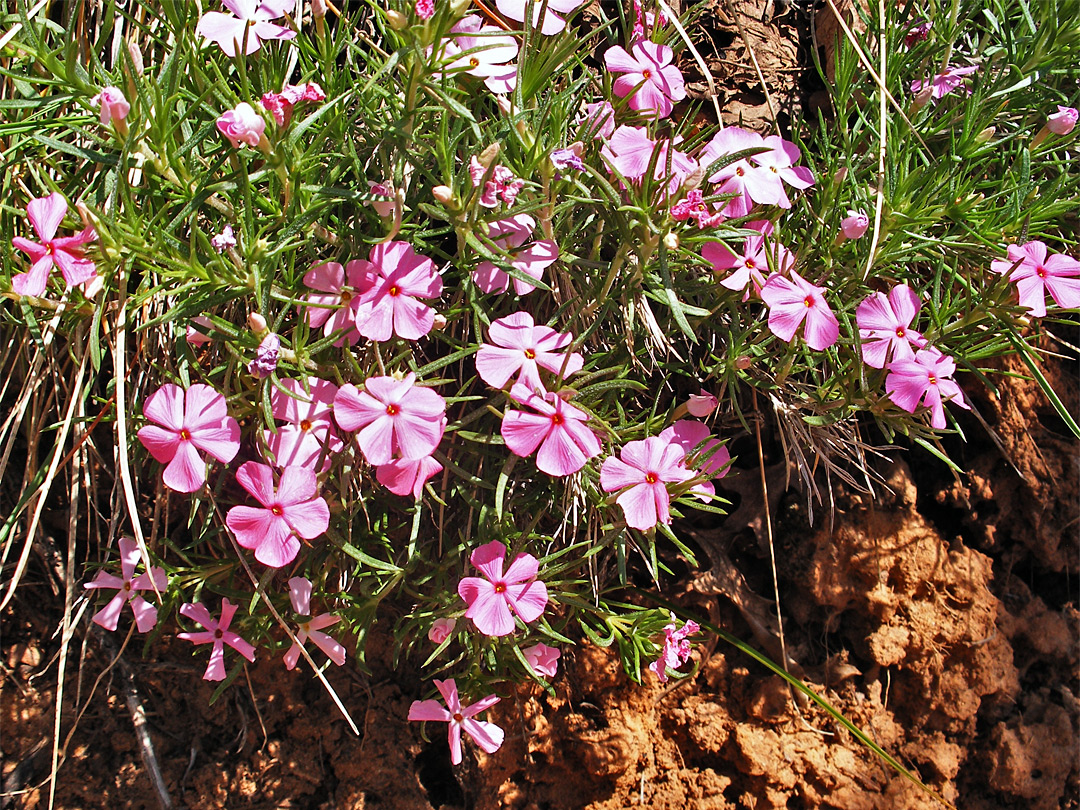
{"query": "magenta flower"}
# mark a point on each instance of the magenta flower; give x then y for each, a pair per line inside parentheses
(441, 630)
(918, 32)
(556, 427)
(694, 207)
(425, 9)
(394, 277)
(334, 304)
(884, 326)
(491, 598)
(216, 632)
(701, 405)
(520, 347)
(543, 659)
(408, 477)
(186, 422)
(1063, 121)
(114, 106)
(45, 215)
(252, 20)
(676, 649)
(641, 475)
(926, 378)
(630, 149)
(854, 225)
(382, 198)
(461, 718)
(293, 509)
(1035, 275)
(482, 51)
(311, 626)
(945, 82)
(266, 357)
(704, 455)
(792, 302)
(502, 185)
(655, 83)
(396, 418)
(552, 22)
(510, 234)
(224, 240)
(280, 105)
(127, 586)
(242, 125)
(308, 433)
(760, 255)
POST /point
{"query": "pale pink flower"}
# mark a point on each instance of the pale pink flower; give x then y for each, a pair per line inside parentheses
(491, 598)
(761, 254)
(186, 422)
(543, 659)
(408, 477)
(334, 304)
(396, 418)
(945, 82)
(425, 9)
(927, 378)
(198, 331)
(394, 278)
(1063, 121)
(779, 163)
(308, 433)
(252, 21)
(750, 184)
(510, 234)
(114, 106)
(701, 405)
(598, 121)
(647, 67)
(224, 240)
(676, 649)
(280, 105)
(854, 225)
(552, 22)
(216, 632)
(311, 626)
(556, 427)
(45, 215)
(704, 455)
(293, 509)
(519, 346)
(630, 150)
(1035, 275)
(483, 51)
(641, 475)
(885, 326)
(242, 125)
(266, 357)
(791, 302)
(127, 586)
(461, 718)
(441, 630)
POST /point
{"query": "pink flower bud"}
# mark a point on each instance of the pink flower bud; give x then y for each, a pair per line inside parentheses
(115, 107)
(440, 630)
(197, 337)
(242, 125)
(256, 323)
(543, 659)
(701, 405)
(854, 224)
(443, 194)
(1063, 121)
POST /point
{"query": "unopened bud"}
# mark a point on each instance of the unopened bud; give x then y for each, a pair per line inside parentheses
(743, 363)
(671, 240)
(256, 323)
(439, 323)
(985, 135)
(693, 180)
(840, 176)
(136, 57)
(921, 98)
(318, 9)
(487, 157)
(505, 104)
(397, 20)
(443, 194)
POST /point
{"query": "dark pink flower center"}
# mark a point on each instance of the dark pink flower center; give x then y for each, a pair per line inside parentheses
(276, 511)
(750, 263)
(185, 435)
(394, 291)
(346, 296)
(651, 478)
(459, 717)
(900, 331)
(808, 302)
(127, 586)
(474, 62)
(932, 379)
(305, 424)
(49, 249)
(500, 587)
(556, 419)
(392, 410)
(740, 171)
(1041, 271)
(645, 74)
(530, 354)
(218, 633)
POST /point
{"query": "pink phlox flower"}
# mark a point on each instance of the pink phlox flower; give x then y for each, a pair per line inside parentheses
(676, 649)
(502, 185)
(543, 659)
(395, 418)
(629, 152)
(292, 509)
(885, 326)
(509, 235)
(641, 474)
(266, 357)
(918, 32)
(425, 9)
(186, 422)
(45, 215)
(701, 405)
(649, 78)
(224, 240)
(441, 630)
(854, 225)
(198, 329)
(492, 597)
(791, 302)
(280, 105)
(945, 82)
(519, 346)
(749, 183)
(552, 22)
(127, 587)
(1063, 121)
(252, 17)
(114, 105)
(483, 51)
(308, 433)
(461, 718)
(645, 22)
(242, 125)
(1035, 275)
(408, 477)
(216, 632)
(555, 426)
(569, 158)
(704, 455)
(382, 198)
(693, 206)
(393, 279)
(761, 254)
(597, 121)
(927, 378)
(779, 163)
(337, 298)
(311, 626)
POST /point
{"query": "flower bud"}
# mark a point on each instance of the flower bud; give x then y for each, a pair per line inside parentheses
(743, 363)
(854, 225)
(701, 405)
(443, 194)
(487, 157)
(256, 323)
(397, 20)
(693, 180)
(318, 9)
(1063, 121)
(439, 322)
(840, 176)
(114, 107)
(505, 105)
(136, 57)
(266, 356)
(440, 630)
(671, 240)
(985, 135)
(242, 125)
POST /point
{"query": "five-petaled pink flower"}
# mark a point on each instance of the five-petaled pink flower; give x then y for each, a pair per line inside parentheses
(647, 67)
(394, 278)
(333, 306)
(45, 215)
(760, 255)
(704, 454)
(796, 300)
(293, 509)
(186, 422)
(885, 326)
(310, 626)
(510, 234)
(482, 51)
(404, 477)
(927, 378)
(779, 165)
(491, 598)
(676, 648)
(556, 427)
(461, 718)
(114, 106)
(630, 150)
(216, 632)
(396, 418)
(641, 475)
(945, 82)
(750, 184)
(308, 433)
(543, 659)
(519, 346)
(552, 22)
(127, 586)
(1035, 275)
(242, 125)
(252, 21)
(1063, 121)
